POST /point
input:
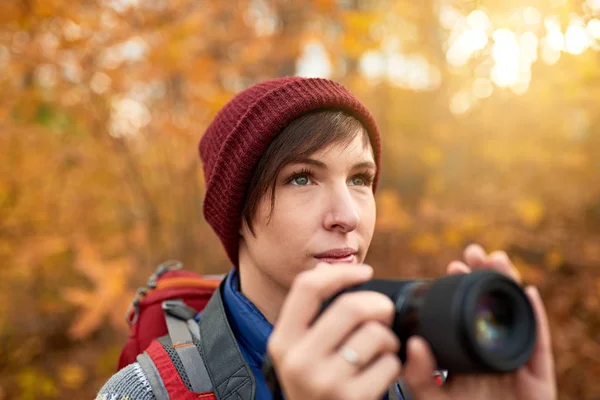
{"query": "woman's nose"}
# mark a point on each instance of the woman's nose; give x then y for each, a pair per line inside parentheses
(342, 211)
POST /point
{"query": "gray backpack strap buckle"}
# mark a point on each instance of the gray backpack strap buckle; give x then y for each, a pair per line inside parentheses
(180, 323)
(178, 309)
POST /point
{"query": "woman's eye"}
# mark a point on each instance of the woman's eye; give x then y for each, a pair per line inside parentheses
(301, 180)
(357, 181)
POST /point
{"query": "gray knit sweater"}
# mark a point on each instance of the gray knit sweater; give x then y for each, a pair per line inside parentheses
(130, 383)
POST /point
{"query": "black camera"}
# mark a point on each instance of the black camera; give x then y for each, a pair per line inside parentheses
(480, 322)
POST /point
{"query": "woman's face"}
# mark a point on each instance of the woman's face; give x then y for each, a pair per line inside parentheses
(324, 211)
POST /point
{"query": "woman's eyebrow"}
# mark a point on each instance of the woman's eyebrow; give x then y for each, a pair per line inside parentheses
(320, 164)
(365, 164)
(310, 161)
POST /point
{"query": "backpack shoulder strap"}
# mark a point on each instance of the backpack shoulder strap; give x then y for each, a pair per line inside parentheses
(168, 382)
(183, 374)
(211, 361)
(229, 372)
(151, 372)
(181, 324)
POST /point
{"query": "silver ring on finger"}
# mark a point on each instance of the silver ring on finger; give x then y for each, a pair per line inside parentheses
(350, 355)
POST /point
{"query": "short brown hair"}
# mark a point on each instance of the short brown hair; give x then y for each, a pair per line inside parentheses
(298, 140)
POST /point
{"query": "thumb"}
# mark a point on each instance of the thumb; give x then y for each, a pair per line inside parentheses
(541, 363)
(418, 370)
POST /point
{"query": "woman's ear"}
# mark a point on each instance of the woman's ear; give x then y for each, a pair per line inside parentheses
(244, 228)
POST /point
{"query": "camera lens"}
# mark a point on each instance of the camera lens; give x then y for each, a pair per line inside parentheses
(479, 322)
(494, 319)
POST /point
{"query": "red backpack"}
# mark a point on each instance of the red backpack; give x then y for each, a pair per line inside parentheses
(164, 312)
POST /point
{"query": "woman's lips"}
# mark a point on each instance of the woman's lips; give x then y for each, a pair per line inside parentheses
(332, 260)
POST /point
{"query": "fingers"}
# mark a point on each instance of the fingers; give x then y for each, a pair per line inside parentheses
(457, 267)
(541, 362)
(380, 374)
(475, 255)
(304, 300)
(305, 351)
(477, 258)
(370, 341)
(345, 315)
(418, 370)
(499, 261)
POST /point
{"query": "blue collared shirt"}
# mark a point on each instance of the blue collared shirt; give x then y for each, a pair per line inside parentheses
(251, 329)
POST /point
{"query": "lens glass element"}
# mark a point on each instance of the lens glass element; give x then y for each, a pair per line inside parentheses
(493, 321)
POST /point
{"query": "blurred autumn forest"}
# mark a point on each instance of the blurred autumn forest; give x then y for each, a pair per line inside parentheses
(489, 114)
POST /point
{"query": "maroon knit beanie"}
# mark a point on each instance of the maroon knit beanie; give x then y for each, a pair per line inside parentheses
(243, 129)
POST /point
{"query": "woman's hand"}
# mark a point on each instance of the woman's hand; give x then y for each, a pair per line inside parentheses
(349, 352)
(535, 380)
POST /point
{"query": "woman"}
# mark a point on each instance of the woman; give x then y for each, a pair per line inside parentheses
(291, 167)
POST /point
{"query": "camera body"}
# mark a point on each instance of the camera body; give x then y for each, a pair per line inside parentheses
(481, 322)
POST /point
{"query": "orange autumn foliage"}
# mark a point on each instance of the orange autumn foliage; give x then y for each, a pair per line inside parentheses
(103, 104)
